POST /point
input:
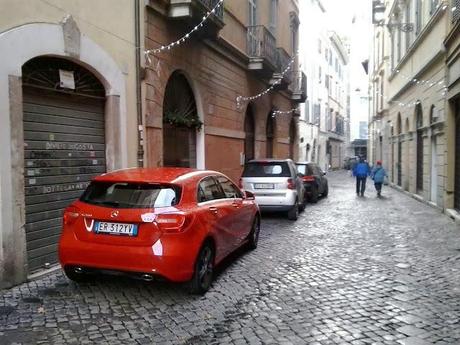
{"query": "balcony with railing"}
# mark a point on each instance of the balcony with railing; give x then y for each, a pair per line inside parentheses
(298, 87)
(261, 49)
(282, 81)
(194, 10)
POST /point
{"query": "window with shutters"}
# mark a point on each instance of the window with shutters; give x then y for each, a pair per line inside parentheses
(455, 11)
(252, 12)
(273, 16)
(418, 16)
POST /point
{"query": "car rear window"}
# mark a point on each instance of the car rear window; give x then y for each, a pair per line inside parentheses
(305, 169)
(131, 195)
(266, 169)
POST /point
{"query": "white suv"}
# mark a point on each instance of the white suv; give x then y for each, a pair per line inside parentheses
(275, 184)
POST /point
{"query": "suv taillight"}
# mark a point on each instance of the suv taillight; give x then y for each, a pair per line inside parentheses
(71, 214)
(171, 222)
(308, 179)
(291, 184)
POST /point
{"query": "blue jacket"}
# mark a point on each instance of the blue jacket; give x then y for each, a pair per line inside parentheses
(361, 170)
(378, 174)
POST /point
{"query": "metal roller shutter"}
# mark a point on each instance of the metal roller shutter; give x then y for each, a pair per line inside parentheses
(64, 147)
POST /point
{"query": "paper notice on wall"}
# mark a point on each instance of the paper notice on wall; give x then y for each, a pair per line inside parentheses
(66, 79)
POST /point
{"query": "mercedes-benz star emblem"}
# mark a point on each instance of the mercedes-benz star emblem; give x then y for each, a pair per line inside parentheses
(114, 214)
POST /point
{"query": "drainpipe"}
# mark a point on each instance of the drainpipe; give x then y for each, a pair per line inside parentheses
(140, 126)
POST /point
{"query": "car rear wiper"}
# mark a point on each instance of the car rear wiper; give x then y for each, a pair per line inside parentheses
(107, 203)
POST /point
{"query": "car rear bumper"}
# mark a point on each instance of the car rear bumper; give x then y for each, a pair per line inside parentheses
(163, 259)
(279, 203)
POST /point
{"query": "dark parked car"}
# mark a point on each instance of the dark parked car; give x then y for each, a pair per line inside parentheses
(349, 162)
(314, 180)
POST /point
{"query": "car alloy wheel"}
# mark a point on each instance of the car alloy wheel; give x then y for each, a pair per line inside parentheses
(202, 278)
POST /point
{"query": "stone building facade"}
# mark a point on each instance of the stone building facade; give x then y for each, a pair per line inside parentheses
(68, 112)
(78, 97)
(421, 99)
(241, 52)
(325, 116)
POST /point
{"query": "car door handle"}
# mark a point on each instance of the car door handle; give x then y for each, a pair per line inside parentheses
(213, 209)
(236, 204)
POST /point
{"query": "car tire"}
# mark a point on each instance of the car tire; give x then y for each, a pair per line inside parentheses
(203, 273)
(76, 277)
(293, 213)
(303, 205)
(326, 190)
(254, 234)
(314, 196)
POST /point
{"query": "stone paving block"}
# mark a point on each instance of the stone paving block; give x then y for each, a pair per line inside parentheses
(342, 274)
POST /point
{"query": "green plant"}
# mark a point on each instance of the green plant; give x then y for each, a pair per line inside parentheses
(179, 119)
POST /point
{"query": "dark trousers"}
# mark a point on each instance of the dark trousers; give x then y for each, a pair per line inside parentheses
(378, 187)
(360, 184)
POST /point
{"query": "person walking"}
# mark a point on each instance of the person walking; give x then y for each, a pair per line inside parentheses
(378, 175)
(361, 172)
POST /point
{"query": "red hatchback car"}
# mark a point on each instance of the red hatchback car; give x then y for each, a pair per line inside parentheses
(174, 223)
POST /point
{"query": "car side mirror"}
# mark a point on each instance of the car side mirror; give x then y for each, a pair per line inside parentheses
(249, 195)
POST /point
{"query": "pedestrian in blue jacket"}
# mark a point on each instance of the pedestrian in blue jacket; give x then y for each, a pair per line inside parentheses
(378, 175)
(361, 172)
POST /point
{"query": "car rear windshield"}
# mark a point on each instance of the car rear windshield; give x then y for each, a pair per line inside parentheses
(266, 169)
(305, 169)
(131, 195)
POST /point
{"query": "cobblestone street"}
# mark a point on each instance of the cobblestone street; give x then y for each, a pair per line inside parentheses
(350, 271)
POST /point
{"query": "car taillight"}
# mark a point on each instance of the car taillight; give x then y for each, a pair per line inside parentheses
(308, 179)
(71, 214)
(171, 222)
(291, 184)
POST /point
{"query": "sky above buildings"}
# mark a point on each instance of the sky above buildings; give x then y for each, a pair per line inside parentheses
(351, 20)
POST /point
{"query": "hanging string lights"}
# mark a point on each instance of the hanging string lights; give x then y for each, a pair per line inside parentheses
(185, 37)
(241, 99)
(283, 112)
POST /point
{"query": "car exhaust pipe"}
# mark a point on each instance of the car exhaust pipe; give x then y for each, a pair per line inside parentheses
(147, 277)
(78, 270)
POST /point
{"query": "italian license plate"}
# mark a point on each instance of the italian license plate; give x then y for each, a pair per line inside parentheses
(115, 228)
(264, 186)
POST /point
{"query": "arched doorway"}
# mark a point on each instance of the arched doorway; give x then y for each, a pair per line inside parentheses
(419, 143)
(399, 163)
(180, 123)
(407, 153)
(457, 157)
(292, 138)
(392, 133)
(64, 146)
(270, 133)
(250, 136)
(434, 159)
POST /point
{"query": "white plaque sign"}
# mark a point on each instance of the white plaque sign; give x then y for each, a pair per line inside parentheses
(66, 79)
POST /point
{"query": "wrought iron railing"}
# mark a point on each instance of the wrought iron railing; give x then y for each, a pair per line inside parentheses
(283, 59)
(261, 44)
(299, 83)
(210, 4)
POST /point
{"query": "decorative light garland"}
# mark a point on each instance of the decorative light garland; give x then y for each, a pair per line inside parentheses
(184, 37)
(241, 99)
(284, 112)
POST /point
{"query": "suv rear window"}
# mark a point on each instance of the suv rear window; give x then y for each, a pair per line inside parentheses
(131, 195)
(266, 169)
(305, 169)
